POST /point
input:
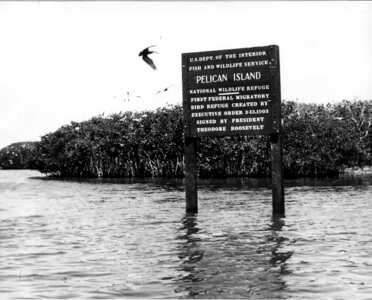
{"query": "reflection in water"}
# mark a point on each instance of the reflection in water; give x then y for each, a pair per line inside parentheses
(126, 239)
(231, 264)
(190, 254)
(279, 257)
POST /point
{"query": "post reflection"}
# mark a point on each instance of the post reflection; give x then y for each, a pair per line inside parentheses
(190, 253)
(248, 264)
(279, 256)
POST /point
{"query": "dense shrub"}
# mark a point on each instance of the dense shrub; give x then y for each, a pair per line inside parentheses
(18, 156)
(317, 140)
(322, 139)
(122, 145)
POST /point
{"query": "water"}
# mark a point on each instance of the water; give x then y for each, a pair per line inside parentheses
(132, 239)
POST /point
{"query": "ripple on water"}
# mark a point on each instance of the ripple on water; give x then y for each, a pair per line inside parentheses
(132, 239)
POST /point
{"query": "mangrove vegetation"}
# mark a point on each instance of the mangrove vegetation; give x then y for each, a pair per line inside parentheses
(19, 155)
(318, 140)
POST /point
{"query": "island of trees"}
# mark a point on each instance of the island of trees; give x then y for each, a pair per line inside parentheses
(318, 140)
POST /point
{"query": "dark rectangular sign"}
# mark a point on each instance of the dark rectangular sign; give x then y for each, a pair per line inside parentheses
(231, 92)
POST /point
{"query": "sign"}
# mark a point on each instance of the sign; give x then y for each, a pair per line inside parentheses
(231, 92)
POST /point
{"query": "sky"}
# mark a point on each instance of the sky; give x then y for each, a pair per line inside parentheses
(71, 61)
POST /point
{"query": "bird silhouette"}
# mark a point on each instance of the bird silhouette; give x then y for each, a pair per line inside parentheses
(164, 90)
(145, 56)
(130, 96)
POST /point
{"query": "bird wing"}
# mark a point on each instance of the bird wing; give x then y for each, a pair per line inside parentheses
(149, 61)
(147, 51)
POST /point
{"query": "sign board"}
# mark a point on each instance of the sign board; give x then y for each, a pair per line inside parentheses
(231, 92)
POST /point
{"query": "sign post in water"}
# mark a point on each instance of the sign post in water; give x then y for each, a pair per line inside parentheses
(232, 92)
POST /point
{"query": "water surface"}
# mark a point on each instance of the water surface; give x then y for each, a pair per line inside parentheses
(132, 239)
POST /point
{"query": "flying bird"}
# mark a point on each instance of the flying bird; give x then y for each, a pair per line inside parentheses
(164, 90)
(145, 56)
(130, 96)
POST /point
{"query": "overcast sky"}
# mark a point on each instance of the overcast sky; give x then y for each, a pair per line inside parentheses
(70, 61)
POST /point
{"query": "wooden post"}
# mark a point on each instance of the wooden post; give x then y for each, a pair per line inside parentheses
(191, 175)
(277, 173)
(275, 137)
